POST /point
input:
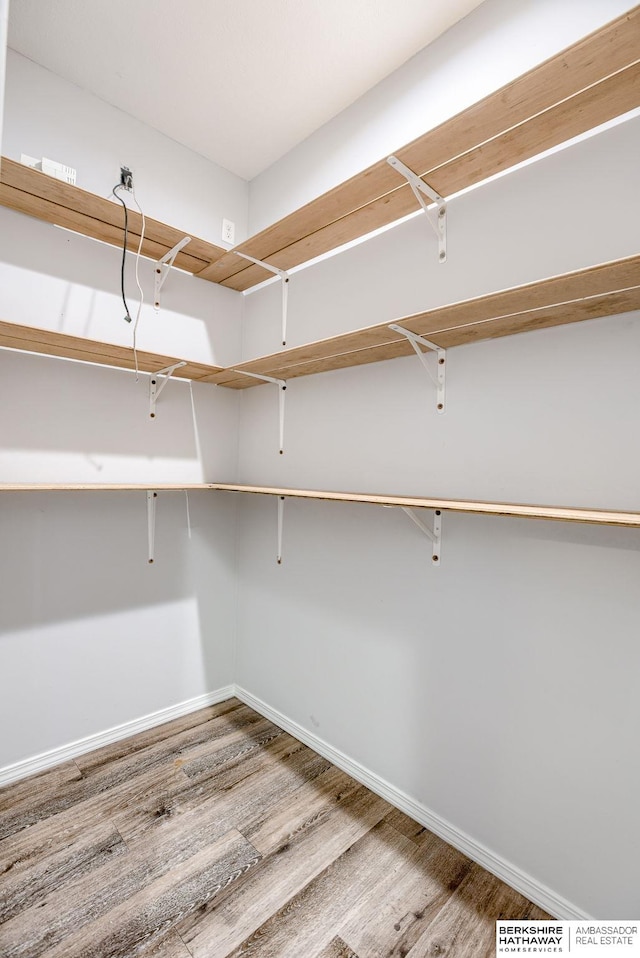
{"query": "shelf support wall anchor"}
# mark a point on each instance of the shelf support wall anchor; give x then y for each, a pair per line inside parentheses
(280, 523)
(441, 354)
(437, 217)
(434, 534)
(284, 276)
(155, 388)
(282, 388)
(163, 267)
(151, 523)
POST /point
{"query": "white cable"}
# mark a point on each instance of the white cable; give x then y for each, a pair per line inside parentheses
(186, 495)
(137, 319)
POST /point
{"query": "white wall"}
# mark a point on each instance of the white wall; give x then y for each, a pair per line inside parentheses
(497, 690)
(91, 636)
(496, 42)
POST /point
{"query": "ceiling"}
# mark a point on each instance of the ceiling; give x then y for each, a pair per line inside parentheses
(239, 81)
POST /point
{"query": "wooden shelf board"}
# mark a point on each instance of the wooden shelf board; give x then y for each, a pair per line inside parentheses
(516, 510)
(595, 292)
(36, 194)
(511, 509)
(578, 89)
(583, 112)
(103, 486)
(598, 291)
(50, 343)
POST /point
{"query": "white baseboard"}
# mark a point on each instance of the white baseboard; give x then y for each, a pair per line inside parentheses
(534, 890)
(39, 763)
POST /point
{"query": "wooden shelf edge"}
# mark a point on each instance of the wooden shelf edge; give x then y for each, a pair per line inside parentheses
(510, 509)
(104, 486)
(478, 507)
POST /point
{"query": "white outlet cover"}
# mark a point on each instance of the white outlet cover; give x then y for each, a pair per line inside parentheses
(228, 231)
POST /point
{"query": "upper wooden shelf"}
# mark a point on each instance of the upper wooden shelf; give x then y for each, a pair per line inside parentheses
(32, 192)
(587, 84)
(512, 509)
(591, 82)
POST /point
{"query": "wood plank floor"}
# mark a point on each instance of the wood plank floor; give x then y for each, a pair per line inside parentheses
(219, 835)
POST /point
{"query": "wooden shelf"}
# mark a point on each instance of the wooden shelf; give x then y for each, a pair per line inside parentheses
(511, 509)
(604, 290)
(516, 510)
(50, 343)
(104, 486)
(592, 293)
(32, 192)
(591, 82)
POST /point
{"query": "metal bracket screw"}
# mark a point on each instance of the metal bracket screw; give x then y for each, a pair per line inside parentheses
(163, 268)
(156, 388)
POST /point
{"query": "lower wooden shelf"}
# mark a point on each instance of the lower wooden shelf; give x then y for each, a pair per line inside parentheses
(478, 507)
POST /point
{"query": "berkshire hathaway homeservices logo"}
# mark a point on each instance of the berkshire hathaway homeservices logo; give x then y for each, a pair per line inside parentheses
(580, 939)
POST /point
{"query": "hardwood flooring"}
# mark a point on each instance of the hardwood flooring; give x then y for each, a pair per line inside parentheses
(219, 835)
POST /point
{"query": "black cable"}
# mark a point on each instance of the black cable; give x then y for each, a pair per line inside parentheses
(127, 316)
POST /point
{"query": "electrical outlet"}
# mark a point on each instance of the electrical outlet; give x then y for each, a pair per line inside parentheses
(228, 232)
(126, 178)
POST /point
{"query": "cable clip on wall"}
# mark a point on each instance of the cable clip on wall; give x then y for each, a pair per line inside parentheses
(438, 217)
(418, 341)
(156, 388)
(284, 276)
(163, 267)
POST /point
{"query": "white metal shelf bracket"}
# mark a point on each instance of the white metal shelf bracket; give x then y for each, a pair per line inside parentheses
(441, 355)
(435, 534)
(280, 524)
(437, 217)
(163, 268)
(282, 388)
(151, 523)
(155, 388)
(284, 276)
